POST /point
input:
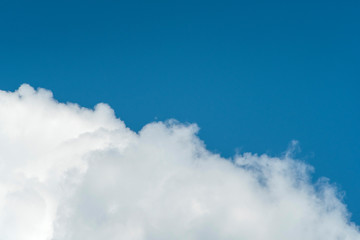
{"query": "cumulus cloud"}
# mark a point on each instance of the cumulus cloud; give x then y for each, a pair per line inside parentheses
(70, 173)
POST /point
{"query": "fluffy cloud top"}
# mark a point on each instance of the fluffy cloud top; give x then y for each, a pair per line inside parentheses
(70, 173)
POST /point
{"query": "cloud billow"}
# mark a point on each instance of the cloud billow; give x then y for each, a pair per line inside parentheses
(70, 173)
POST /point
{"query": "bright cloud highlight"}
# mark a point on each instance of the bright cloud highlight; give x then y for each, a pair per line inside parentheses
(70, 173)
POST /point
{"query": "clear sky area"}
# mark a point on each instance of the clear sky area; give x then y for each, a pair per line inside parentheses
(254, 75)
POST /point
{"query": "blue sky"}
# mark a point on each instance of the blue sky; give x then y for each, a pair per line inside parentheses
(253, 75)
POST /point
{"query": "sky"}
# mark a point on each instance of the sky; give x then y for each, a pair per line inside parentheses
(252, 75)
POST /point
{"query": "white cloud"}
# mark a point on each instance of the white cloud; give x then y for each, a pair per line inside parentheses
(70, 173)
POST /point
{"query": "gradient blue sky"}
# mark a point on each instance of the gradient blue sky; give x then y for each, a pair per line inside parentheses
(254, 75)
